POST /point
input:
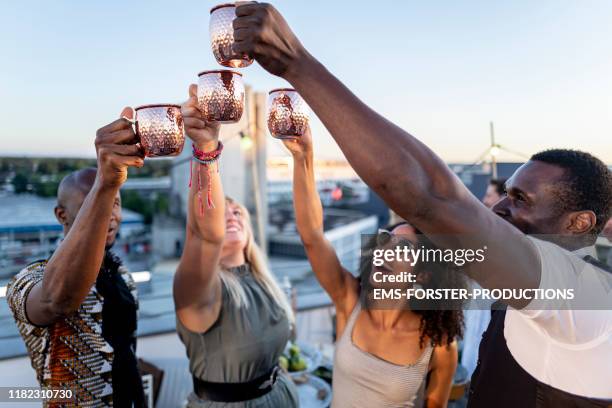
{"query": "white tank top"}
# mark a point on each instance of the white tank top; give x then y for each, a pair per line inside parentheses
(361, 379)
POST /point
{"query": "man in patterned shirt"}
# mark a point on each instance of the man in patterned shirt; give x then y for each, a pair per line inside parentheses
(77, 311)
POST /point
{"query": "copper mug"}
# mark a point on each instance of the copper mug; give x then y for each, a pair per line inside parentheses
(160, 130)
(221, 95)
(287, 114)
(222, 37)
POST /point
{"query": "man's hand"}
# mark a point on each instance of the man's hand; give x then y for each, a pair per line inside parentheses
(117, 149)
(205, 135)
(261, 32)
(300, 147)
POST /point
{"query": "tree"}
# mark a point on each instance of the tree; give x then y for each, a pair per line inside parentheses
(20, 183)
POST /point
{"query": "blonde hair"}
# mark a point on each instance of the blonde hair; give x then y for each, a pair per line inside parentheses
(256, 259)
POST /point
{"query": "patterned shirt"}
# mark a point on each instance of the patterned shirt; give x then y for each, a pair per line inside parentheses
(70, 353)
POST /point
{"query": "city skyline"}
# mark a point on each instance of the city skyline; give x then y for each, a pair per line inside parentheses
(539, 71)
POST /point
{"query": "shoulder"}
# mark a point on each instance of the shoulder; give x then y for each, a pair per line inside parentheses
(18, 289)
(580, 284)
(28, 276)
(444, 357)
(553, 256)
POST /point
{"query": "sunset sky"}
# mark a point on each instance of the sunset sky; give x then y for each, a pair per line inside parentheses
(541, 70)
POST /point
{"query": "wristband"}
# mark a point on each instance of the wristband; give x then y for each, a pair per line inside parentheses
(206, 159)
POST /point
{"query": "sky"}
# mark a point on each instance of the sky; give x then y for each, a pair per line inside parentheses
(442, 70)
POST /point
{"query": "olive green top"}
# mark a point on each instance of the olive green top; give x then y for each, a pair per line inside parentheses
(244, 343)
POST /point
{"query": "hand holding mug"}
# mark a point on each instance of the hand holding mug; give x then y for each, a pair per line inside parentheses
(300, 147)
(117, 149)
(261, 32)
(205, 135)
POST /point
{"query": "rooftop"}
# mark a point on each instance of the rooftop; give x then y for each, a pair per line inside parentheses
(24, 213)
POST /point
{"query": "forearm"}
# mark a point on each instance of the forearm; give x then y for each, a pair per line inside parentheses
(396, 165)
(306, 200)
(206, 224)
(75, 265)
(194, 281)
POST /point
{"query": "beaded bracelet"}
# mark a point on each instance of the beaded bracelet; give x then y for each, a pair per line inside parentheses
(205, 159)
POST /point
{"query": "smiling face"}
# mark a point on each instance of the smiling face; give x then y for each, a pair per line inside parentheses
(402, 236)
(531, 202)
(236, 228)
(115, 222)
(72, 193)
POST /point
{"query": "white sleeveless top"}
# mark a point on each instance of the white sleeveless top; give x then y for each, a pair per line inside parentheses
(361, 379)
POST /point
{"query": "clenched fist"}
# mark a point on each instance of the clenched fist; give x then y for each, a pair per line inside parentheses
(205, 135)
(117, 149)
(261, 32)
(300, 147)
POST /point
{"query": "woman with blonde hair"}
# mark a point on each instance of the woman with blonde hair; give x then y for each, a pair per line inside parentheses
(231, 314)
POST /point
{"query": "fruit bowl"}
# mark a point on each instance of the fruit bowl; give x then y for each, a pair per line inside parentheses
(299, 358)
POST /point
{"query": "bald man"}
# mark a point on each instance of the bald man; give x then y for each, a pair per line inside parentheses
(77, 311)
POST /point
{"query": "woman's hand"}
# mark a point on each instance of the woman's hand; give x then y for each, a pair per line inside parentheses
(300, 147)
(205, 135)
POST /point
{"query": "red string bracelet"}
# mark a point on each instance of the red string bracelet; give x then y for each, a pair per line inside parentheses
(205, 159)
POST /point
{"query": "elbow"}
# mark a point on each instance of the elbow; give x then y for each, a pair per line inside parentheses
(61, 302)
(61, 307)
(311, 237)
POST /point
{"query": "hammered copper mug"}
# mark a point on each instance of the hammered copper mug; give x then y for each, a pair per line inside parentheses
(287, 114)
(159, 128)
(222, 37)
(221, 95)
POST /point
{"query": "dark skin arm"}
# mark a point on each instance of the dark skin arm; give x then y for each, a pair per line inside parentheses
(74, 267)
(341, 286)
(411, 178)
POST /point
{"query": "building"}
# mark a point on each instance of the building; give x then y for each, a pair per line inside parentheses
(29, 230)
(343, 228)
(148, 188)
(476, 177)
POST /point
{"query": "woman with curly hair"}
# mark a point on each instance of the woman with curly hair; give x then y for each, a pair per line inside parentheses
(399, 355)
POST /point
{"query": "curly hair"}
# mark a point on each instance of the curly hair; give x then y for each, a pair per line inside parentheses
(441, 321)
(587, 184)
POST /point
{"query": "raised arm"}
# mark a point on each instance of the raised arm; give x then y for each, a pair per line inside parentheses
(197, 286)
(74, 267)
(412, 180)
(337, 281)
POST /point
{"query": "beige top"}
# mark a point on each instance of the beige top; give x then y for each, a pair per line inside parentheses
(361, 379)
